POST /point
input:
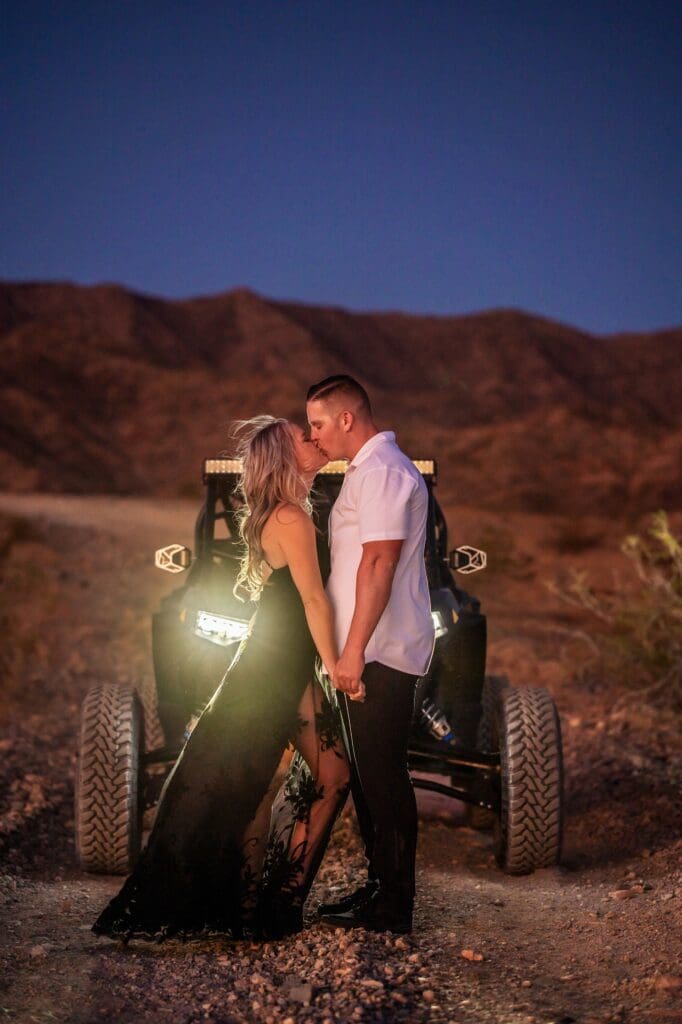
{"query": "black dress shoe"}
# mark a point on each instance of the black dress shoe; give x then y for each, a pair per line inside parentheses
(374, 915)
(349, 902)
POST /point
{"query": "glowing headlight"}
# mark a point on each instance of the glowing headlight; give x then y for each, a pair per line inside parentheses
(219, 629)
(439, 625)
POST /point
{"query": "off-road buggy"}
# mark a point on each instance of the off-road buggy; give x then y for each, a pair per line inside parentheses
(499, 746)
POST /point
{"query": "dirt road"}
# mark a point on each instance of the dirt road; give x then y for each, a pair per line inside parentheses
(594, 940)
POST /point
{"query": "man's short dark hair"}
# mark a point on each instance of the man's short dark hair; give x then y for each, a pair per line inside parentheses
(343, 385)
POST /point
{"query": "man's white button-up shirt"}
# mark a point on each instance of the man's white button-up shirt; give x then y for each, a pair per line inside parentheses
(383, 497)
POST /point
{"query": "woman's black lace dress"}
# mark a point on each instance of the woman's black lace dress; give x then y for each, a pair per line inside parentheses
(243, 823)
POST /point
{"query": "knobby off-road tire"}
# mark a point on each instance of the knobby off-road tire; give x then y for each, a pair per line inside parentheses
(480, 818)
(153, 731)
(528, 833)
(108, 806)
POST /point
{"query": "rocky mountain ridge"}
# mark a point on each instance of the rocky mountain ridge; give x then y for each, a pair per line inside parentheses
(107, 390)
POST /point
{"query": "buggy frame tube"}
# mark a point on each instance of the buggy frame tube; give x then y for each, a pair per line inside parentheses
(477, 783)
(490, 802)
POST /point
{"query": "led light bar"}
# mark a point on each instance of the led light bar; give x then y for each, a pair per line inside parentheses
(338, 467)
(427, 467)
(220, 629)
(221, 467)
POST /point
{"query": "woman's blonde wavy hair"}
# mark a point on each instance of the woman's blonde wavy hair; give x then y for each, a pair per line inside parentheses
(270, 477)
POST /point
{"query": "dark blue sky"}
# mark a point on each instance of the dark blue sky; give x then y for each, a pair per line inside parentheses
(429, 156)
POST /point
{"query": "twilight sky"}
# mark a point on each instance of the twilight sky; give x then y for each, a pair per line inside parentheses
(430, 156)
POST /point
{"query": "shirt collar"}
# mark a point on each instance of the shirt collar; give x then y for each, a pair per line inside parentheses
(368, 447)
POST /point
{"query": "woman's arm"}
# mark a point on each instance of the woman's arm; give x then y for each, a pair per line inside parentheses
(294, 532)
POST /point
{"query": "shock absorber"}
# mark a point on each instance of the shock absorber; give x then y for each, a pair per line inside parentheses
(434, 720)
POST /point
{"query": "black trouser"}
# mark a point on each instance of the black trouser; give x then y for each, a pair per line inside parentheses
(378, 730)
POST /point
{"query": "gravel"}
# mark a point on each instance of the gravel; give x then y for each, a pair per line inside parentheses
(593, 940)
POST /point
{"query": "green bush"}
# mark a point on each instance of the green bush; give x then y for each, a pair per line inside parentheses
(638, 641)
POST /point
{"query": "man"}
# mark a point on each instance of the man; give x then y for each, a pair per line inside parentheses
(379, 591)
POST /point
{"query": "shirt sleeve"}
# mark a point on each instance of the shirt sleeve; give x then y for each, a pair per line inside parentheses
(383, 505)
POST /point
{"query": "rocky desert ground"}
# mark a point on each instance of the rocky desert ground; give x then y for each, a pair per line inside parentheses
(596, 939)
(552, 446)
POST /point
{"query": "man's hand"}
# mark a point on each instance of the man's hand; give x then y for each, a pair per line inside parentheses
(348, 673)
(359, 694)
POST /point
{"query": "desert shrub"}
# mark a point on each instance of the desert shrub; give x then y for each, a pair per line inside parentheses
(15, 530)
(499, 545)
(637, 638)
(28, 597)
(574, 537)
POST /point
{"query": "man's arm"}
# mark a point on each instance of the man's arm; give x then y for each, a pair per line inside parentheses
(372, 591)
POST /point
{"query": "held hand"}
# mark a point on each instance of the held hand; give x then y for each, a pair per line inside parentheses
(348, 672)
(359, 694)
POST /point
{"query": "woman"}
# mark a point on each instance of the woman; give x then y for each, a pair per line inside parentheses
(220, 857)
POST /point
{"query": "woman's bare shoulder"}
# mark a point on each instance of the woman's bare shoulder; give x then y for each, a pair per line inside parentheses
(288, 515)
(287, 534)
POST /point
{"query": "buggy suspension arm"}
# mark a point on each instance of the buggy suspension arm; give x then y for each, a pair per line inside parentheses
(475, 777)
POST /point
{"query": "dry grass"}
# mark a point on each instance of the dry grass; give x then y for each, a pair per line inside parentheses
(28, 599)
(637, 636)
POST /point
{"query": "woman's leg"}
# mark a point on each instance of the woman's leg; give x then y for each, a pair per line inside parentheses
(256, 837)
(303, 814)
(320, 744)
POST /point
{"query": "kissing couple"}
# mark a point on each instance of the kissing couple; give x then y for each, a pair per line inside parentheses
(236, 843)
